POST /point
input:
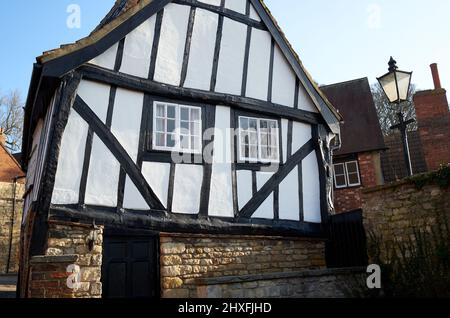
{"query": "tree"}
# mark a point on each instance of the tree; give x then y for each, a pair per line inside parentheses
(11, 119)
(387, 113)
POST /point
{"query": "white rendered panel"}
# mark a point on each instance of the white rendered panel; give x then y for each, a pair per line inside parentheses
(35, 149)
(171, 44)
(70, 161)
(283, 82)
(259, 65)
(301, 134)
(221, 195)
(289, 198)
(304, 101)
(187, 188)
(311, 189)
(96, 96)
(107, 59)
(126, 123)
(201, 55)
(132, 198)
(236, 5)
(284, 128)
(158, 175)
(244, 187)
(231, 58)
(253, 14)
(103, 176)
(265, 211)
(138, 49)
(211, 2)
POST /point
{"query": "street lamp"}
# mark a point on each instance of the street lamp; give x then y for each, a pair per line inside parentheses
(395, 85)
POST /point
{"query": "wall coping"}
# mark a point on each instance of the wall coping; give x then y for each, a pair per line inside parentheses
(387, 186)
(241, 237)
(43, 259)
(272, 276)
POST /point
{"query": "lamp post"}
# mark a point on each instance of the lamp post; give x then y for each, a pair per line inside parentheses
(395, 85)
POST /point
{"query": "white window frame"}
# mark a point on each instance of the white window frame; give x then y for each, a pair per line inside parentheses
(348, 184)
(177, 132)
(259, 159)
(357, 172)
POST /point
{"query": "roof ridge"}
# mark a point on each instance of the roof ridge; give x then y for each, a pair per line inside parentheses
(346, 82)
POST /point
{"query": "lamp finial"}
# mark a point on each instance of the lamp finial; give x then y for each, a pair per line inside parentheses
(392, 65)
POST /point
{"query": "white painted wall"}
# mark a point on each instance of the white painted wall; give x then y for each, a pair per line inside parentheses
(301, 134)
(201, 55)
(304, 100)
(158, 175)
(253, 14)
(244, 187)
(311, 189)
(284, 130)
(236, 5)
(96, 96)
(265, 211)
(103, 176)
(138, 49)
(187, 188)
(231, 58)
(106, 59)
(171, 45)
(221, 194)
(132, 198)
(211, 2)
(289, 201)
(70, 161)
(283, 83)
(259, 64)
(126, 122)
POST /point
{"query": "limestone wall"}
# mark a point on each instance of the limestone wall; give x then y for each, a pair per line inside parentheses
(10, 223)
(186, 258)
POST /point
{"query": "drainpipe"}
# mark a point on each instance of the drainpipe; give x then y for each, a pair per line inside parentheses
(13, 217)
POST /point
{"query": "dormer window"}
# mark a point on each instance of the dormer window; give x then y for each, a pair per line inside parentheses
(177, 128)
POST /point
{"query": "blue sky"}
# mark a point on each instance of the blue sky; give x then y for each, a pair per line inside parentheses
(336, 40)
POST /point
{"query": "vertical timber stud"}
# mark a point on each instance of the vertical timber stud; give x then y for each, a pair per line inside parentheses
(209, 120)
(86, 163)
(234, 156)
(217, 49)
(272, 57)
(154, 55)
(119, 55)
(111, 101)
(145, 121)
(247, 53)
(171, 187)
(69, 86)
(300, 192)
(318, 140)
(297, 91)
(187, 46)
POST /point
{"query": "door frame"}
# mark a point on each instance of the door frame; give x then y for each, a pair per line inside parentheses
(118, 232)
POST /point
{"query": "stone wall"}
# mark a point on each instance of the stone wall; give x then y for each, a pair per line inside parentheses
(394, 211)
(68, 244)
(10, 223)
(329, 283)
(185, 258)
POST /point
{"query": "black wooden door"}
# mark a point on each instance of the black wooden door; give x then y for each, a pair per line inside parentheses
(130, 267)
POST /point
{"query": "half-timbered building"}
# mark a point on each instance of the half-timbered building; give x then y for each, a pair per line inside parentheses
(174, 121)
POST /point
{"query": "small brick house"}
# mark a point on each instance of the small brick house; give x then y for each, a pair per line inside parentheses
(357, 163)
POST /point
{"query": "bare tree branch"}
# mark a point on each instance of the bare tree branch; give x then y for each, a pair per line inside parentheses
(11, 119)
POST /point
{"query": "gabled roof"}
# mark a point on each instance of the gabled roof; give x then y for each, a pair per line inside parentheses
(129, 14)
(9, 167)
(361, 130)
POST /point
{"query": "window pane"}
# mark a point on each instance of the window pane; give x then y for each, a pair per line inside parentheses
(245, 152)
(244, 123)
(184, 113)
(244, 138)
(254, 152)
(160, 110)
(184, 142)
(340, 181)
(273, 153)
(170, 140)
(352, 167)
(196, 143)
(353, 178)
(253, 138)
(171, 110)
(339, 169)
(160, 140)
(195, 129)
(264, 152)
(263, 137)
(273, 141)
(170, 125)
(253, 124)
(160, 125)
(263, 124)
(184, 126)
(195, 114)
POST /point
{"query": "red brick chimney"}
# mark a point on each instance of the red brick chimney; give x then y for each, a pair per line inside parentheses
(2, 137)
(433, 119)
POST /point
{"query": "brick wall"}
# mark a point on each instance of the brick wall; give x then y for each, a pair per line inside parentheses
(10, 223)
(349, 199)
(392, 212)
(185, 258)
(9, 168)
(67, 245)
(433, 118)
